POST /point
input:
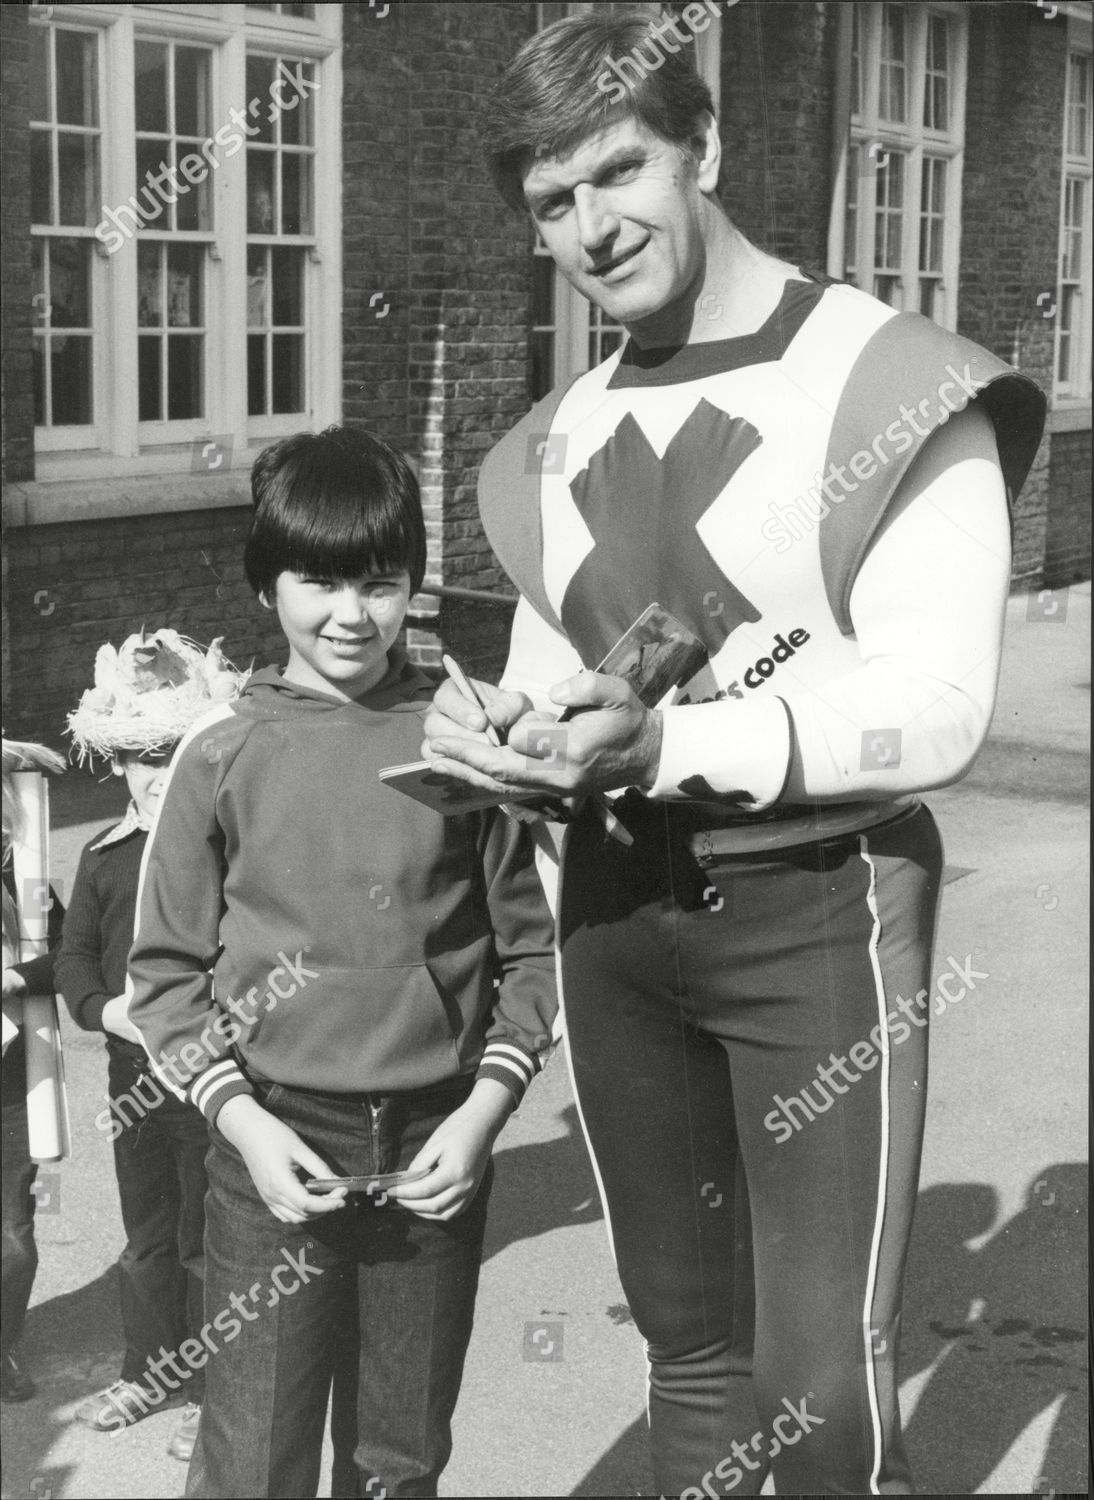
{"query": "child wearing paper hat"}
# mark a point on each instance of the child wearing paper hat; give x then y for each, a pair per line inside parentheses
(147, 695)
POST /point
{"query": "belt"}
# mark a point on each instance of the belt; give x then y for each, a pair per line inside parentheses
(795, 825)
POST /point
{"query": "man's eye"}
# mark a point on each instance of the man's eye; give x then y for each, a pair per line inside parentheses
(553, 208)
(624, 169)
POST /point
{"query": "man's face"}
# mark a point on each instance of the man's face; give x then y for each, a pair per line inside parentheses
(340, 631)
(625, 219)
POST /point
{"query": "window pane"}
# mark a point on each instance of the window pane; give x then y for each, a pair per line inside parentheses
(294, 95)
(150, 88)
(39, 73)
(288, 288)
(69, 289)
(543, 290)
(260, 189)
(256, 375)
(148, 368)
(70, 360)
(891, 104)
(153, 158)
(260, 72)
(41, 178)
(257, 316)
(76, 91)
(288, 372)
(191, 91)
(78, 177)
(192, 208)
(542, 375)
(1078, 105)
(150, 285)
(184, 265)
(184, 376)
(295, 193)
(39, 382)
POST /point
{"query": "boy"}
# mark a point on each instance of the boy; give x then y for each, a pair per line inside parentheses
(382, 991)
(145, 697)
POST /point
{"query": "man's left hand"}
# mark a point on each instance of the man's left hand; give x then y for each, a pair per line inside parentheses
(613, 741)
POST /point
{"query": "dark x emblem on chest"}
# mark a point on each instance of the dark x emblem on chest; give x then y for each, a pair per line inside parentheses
(642, 513)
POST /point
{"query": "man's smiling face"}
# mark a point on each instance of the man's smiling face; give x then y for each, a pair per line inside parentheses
(624, 216)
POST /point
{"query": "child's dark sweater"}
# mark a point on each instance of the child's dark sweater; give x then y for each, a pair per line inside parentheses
(98, 930)
(301, 921)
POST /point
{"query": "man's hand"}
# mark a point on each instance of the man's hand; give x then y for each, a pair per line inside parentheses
(613, 741)
(457, 1153)
(272, 1151)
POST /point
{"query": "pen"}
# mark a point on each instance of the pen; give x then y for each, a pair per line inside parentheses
(603, 807)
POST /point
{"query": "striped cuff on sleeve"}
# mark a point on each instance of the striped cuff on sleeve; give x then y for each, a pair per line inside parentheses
(510, 1065)
(216, 1085)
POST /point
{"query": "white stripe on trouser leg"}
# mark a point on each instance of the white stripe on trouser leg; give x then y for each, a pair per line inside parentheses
(883, 1168)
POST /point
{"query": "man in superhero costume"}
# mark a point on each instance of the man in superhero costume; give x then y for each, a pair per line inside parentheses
(818, 487)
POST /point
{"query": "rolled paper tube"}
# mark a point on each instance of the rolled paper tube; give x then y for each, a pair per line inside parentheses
(47, 1100)
(30, 862)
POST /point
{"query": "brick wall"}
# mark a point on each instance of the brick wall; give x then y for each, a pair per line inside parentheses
(1011, 215)
(777, 69)
(1067, 531)
(445, 369)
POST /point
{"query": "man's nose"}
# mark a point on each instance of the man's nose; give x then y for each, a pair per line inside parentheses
(597, 223)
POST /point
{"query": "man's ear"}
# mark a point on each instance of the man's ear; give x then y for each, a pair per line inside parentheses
(706, 143)
(116, 766)
(264, 599)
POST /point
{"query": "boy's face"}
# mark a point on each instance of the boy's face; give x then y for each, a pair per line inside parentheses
(340, 631)
(145, 773)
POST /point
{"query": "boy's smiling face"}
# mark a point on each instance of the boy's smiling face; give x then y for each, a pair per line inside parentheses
(340, 631)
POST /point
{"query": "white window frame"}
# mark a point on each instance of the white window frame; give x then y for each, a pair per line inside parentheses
(117, 443)
(1076, 393)
(875, 139)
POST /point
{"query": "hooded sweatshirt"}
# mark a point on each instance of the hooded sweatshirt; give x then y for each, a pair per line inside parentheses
(298, 920)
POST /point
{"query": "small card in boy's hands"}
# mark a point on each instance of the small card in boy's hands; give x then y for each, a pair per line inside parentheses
(656, 654)
(373, 1182)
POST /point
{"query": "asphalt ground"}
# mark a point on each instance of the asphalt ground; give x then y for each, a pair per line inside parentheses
(993, 1373)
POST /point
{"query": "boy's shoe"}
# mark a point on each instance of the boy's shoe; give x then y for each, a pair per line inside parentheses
(185, 1435)
(15, 1384)
(124, 1403)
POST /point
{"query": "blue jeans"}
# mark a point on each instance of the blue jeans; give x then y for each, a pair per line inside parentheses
(371, 1297)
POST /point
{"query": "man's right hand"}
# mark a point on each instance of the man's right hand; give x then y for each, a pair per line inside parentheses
(453, 717)
(272, 1151)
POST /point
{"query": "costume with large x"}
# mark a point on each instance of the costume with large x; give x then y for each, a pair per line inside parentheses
(750, 1091)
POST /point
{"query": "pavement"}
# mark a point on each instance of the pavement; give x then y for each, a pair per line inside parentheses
(993, 1374)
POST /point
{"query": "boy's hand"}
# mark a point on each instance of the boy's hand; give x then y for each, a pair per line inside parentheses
(457, 1153)
(272, 1151)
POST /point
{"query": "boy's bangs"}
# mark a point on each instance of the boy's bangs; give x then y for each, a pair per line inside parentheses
(346, 541)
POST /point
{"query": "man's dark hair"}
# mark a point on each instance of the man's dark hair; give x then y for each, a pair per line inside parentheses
(580, 75)
(335, 504)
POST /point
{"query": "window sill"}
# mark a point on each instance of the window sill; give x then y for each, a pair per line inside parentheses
(1069, 418)
(42, 502)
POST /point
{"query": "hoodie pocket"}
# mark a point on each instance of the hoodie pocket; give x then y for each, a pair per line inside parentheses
(359, 1030)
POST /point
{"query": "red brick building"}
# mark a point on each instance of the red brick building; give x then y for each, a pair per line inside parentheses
(224, 223)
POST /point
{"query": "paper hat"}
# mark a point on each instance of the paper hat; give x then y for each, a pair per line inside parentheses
(150, 692)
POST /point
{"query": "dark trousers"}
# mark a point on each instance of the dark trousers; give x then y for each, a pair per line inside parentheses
(370, 1297)
(20, 1254)
(759, 1206)
(159, 1158)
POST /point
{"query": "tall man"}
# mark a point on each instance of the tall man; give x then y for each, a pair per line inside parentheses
(818, 487)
